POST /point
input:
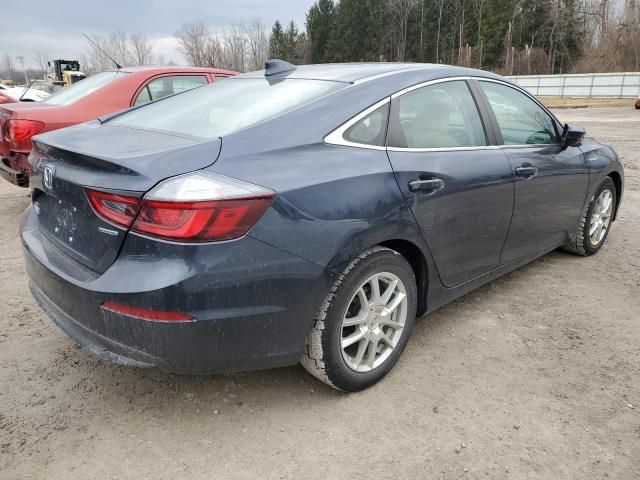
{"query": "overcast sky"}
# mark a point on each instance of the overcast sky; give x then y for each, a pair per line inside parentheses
(56, 26)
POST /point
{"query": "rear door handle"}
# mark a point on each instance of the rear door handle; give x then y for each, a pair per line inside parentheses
(432, 185)
(526, 171)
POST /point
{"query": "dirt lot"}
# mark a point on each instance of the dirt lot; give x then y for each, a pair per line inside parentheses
(536, 375)
(571, 102)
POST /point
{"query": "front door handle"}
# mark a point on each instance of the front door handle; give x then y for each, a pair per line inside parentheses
(526, 171)
(432, 185)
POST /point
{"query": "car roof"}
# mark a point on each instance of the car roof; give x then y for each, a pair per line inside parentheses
(354, 72)
(172, 69)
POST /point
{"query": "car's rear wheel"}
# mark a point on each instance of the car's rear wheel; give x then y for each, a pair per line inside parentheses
(365, 322)
(595, 224)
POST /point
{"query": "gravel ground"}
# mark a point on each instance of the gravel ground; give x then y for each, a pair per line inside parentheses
(536, 375)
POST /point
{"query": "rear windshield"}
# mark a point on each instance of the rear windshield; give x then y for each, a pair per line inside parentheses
(226, 106)
(75, 92)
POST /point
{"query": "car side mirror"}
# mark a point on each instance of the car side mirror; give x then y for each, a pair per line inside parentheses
(572, 135)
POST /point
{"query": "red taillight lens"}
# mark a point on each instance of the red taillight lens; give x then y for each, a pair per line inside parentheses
(197, 207)
(146, 314)
(200, 221)
(118, 209)
(22, 130)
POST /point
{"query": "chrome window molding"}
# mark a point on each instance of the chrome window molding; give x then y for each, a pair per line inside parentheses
(429, 82)
(337, 136)
(444, 149)
(530, 145)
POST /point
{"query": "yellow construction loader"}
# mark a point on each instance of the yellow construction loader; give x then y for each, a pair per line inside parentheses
(64, 72)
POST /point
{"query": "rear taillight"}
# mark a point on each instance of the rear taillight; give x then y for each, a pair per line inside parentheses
(197, 207)
(118, 209)
(22, 130)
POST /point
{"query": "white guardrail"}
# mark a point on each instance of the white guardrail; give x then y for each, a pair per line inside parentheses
(596, 85)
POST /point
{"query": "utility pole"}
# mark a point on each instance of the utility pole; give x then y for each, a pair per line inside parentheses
(21, 60)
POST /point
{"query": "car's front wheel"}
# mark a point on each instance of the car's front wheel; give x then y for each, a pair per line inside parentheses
(595, 224)
(364, 323)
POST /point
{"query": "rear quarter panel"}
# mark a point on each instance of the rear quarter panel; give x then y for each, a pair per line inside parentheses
(332, 202)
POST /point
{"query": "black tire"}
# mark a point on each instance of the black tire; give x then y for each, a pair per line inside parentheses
(323, 357)
(582, 244)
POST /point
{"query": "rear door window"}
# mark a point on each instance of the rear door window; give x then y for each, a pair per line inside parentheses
(165, 86)
(442, 115)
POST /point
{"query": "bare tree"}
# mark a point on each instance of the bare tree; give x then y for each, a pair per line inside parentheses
(119, 47)
(401, 11)
(41, 59)
(234, 44)
(461, 37)
(96, 58)
(9, 66)
(478, 7)
(193, 39)
(616, 47)
(555, 20)
(440, 4)
(257, 43)
(212, 55)
(141, 49)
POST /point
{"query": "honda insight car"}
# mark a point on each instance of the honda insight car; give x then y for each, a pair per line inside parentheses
(303, 214)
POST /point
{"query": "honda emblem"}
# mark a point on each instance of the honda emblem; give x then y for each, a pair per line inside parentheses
(47, 176)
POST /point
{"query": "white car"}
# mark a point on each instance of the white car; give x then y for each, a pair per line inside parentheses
(32, 95)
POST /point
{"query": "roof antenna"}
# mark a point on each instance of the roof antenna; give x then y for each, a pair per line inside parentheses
(26, 90)
(118, 66)
(275, 66)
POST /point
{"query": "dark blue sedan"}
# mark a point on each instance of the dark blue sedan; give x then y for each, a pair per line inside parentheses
(303, 214)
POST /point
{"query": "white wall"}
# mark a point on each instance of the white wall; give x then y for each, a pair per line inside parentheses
(603, 85)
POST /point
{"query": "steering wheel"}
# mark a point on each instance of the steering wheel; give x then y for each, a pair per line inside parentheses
(540, 137)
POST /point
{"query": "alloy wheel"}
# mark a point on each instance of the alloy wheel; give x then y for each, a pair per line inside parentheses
(373, 322)
(601, 217)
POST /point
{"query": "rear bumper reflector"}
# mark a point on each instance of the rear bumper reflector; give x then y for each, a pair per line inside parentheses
(146, 314)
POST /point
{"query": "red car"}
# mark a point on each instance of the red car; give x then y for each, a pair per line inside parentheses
(638, 103)
(5, 99)
(98, 95)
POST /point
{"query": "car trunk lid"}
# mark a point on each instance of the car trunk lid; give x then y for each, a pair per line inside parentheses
(119, 160)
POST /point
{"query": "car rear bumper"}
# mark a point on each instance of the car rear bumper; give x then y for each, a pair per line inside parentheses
(98, 345)
(254, 312)
(17, 177)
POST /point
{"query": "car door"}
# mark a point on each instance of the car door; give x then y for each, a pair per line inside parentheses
(166, 85)
(550, 182)
(458, 184)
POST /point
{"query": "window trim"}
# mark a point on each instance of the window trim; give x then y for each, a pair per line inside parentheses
(492, 130)
(336, 137)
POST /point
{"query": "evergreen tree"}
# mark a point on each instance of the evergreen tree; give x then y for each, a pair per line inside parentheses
(319, 29)
(514, 36)
(277, 41)
(290, 42)
(356, 31)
